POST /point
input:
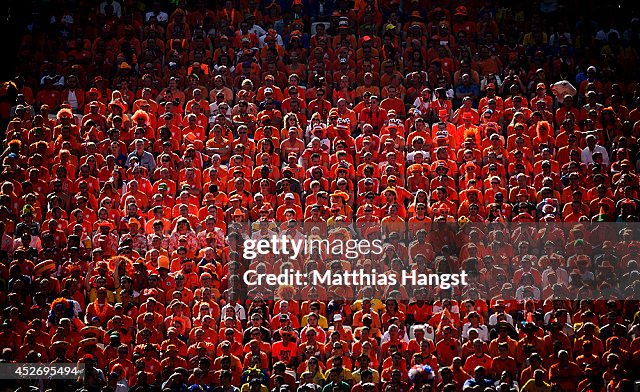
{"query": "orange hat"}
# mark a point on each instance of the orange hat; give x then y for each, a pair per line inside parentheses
(190, 137)
(163, 262)
(470, 165)
(390, 190)
(172, 347)
(415, 168)
(44, 266)
(88, 342)
(91, 330)
(118, 102)
(59, 344)
(342, 194)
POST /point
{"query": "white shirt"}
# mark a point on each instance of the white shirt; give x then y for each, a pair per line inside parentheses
(422, 105)
(261, 43)
(117, 9)
(77, 309)
(213, 108)
(587, 276)
(404, 337)
(258, 235)
(483, 331)
(34, 243)
(603, 36)
(493, 319)
(257, 30)
(561, 273)
(586, 156)
(161, 16)
(308, 133)
(425, 154)
(72, 99)
(553, 38)
(122, 386)
(240, 313)
(520, 293)
(547, 317)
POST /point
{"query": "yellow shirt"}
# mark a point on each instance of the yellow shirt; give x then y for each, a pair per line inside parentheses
(322, 321)
(376, 305)
(246, 388)
(530, 386)
(93, 295)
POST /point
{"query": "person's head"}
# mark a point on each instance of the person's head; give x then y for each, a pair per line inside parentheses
(563, 356)
(335, 374)
(479, 372)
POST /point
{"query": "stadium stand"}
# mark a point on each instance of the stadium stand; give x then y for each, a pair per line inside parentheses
(143, 141)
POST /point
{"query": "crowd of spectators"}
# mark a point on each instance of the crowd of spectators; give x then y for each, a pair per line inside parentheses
(143, 141)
